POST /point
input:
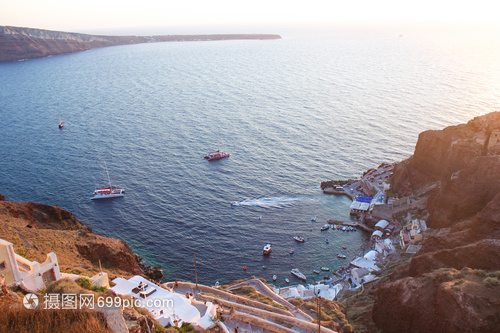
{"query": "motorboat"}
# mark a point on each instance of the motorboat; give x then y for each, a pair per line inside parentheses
(342, 256)
(313, 218)
(292, 250)
(299, 239)
(326, 269)
(111, 191)
(327, 241)
(267, 249)
(298, 274)
(216, 155)
(287, 280)
(325, 227)
(275, 277)
(316, 271)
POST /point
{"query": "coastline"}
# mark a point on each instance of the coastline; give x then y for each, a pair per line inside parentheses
(18, 43)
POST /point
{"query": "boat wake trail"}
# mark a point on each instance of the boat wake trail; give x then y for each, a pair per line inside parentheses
(272, 202)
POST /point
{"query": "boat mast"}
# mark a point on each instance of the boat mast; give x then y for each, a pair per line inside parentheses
(107, 172)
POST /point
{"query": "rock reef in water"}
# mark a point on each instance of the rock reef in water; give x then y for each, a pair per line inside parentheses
(25, 43)
(453, 283)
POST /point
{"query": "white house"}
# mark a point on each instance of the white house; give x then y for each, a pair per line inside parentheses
(31, 275)
(311, 290)
(368, 261)
(168, 308)
(381, 225)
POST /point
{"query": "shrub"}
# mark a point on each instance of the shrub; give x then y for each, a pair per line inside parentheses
(159, 328)
(491, 281)
(494, 274)
(64, 286)
(480, 272)
(99, 289)
(347, 328)
(84, 282)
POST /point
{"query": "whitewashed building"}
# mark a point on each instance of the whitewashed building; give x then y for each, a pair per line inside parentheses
(30, 275)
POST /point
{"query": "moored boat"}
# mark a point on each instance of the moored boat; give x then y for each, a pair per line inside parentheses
(287, 280)
(108, 192)
(298, 274)
(325, 268)
(267, 249)
(342, 256)
(275, 277)
(325, 227)
(299, 239)
(292, 250)
(216, 155)
(316, 271)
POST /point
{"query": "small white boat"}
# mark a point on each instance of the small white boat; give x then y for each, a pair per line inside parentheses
(342, 256)
(313, 218)
(325, 227)
(299, 239)
(325, 268)
(287, 280)
(292, 250)
(334, 226)
(267, 249)
(298, 274)
(275, 277)
(344, 228)
(316, 271)
(108, 192)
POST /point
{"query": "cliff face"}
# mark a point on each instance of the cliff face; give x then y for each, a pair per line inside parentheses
(37, 229)
(464, 160)
(25, 43)
(453, 283)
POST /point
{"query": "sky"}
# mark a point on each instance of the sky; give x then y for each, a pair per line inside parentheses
(256, 16)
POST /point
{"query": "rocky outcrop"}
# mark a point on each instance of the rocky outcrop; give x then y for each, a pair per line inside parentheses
(25, 43)
(464, 160)
(37, 229)
(453, 283)
(441, 301)
(42, 216)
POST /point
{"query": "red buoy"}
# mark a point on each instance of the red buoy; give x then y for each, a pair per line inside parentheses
(244, 268)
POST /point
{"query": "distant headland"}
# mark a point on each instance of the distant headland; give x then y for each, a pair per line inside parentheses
(26, 43)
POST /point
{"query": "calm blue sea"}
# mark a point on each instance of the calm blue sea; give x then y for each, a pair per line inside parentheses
(291, 112)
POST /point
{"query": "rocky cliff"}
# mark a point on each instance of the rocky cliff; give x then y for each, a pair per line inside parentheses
(453, 283)
(36, 229)
(26, 43)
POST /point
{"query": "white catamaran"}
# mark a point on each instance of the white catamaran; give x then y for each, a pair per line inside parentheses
(108, 192)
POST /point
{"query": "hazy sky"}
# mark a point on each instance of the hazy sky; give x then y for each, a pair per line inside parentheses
(249, 16)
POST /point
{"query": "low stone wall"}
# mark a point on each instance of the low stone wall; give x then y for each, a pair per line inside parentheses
(277, 298)
(232, 297)
(265, 324)
(287, 319)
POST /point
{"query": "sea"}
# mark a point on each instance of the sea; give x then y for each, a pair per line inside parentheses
(292, 113)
